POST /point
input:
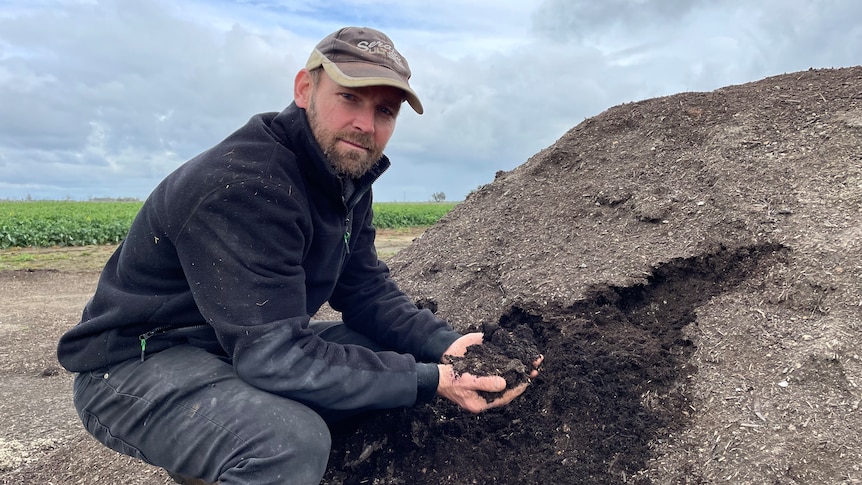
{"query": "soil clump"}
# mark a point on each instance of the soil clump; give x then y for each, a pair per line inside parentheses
(502, 353)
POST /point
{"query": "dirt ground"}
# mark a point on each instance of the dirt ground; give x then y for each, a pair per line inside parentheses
(690, 266)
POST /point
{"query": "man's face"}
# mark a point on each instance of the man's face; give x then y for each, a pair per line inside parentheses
(352, 125)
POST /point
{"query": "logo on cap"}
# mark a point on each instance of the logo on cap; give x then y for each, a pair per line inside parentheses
(381, 49)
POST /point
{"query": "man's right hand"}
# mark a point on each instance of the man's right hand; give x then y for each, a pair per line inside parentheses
(463, 389)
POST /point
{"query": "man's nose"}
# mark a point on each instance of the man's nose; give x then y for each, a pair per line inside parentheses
(363, 120)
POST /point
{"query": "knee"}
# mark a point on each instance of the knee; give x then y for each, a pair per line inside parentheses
(295, 447)
(310, 441)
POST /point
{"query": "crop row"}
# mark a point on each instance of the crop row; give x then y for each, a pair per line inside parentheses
(71, 223)
(395, 215)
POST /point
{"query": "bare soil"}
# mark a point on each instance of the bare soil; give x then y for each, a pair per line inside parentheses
(690, 267)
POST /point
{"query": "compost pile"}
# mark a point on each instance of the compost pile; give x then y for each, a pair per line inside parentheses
(691, 269)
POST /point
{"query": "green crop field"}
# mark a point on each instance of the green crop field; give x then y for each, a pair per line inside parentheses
(395, 215)
(64, 223)
(71, 223)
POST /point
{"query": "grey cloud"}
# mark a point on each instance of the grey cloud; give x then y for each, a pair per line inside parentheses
(122, 89)
(563, 20)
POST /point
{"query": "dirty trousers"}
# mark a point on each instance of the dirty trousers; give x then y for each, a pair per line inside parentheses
(186, 410)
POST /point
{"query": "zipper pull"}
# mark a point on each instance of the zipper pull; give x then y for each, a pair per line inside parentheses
(143, 338)
(347, 234)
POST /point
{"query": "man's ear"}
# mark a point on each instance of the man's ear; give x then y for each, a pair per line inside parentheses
(302, 87)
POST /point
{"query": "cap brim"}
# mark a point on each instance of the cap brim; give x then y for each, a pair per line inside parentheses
(361, 74)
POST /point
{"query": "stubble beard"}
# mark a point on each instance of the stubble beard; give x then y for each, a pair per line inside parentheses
(353, 163)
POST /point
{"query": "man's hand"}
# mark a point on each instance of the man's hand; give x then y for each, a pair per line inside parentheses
(459, 347)
(463, 389)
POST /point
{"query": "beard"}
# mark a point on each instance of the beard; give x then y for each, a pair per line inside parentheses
(345, 161)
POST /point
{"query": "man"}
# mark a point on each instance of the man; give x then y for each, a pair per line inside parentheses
(197, 353)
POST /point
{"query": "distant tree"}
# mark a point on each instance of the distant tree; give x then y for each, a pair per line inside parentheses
(438, 197)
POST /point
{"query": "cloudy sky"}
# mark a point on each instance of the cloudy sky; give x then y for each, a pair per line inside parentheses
(103, 98)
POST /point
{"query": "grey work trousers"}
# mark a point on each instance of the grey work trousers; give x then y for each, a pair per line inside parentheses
(185, 410)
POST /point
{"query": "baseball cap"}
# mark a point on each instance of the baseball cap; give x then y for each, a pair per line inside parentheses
(359, 56)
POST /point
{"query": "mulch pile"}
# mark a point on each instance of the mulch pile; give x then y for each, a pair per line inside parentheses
(690, 267)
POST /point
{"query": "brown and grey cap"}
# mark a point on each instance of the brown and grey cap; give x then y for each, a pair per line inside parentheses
(358, 56)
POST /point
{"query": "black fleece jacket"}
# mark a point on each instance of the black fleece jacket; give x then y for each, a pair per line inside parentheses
(236, 249)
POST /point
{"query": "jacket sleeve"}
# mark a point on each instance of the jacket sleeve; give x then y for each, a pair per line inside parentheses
(241, 249)
(371, 303)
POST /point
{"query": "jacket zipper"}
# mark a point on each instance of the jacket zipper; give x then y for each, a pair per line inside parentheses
(348, 207)
(159, 331)
(347, 233)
